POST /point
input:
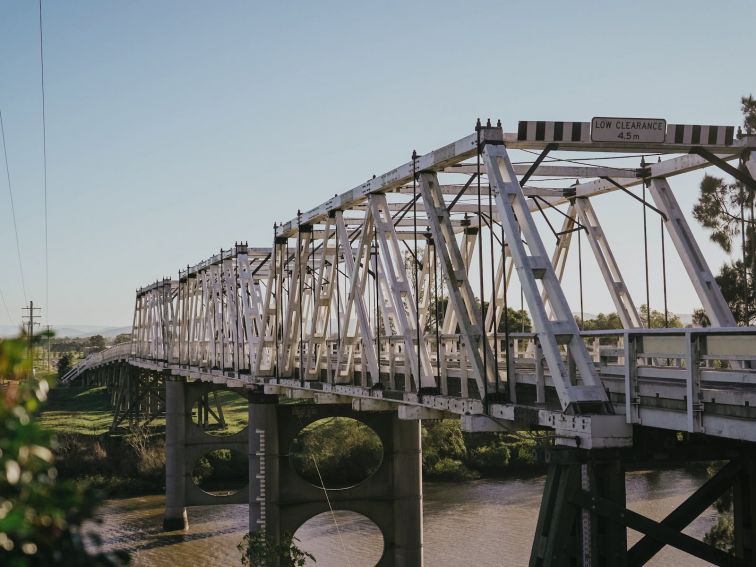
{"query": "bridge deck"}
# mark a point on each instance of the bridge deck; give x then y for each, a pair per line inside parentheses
(693, 380)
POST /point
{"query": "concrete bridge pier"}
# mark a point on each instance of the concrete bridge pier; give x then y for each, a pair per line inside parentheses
(408, 493)
(186, 442)
(175, 445)
(264, 488)
(281, 500)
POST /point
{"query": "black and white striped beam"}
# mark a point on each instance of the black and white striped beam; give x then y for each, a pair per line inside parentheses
(678, 134)
(699, 135)
(550, 131)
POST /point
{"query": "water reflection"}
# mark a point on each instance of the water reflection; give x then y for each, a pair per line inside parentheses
(482, 523)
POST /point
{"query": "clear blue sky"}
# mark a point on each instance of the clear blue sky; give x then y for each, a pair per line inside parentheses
(175, 128)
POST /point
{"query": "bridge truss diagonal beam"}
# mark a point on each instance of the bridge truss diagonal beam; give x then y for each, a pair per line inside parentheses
(461, 297)
(533, 265)
(607, 264)
(692, 258)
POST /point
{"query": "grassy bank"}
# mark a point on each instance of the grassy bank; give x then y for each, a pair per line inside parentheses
(87, 411)
(78, 411)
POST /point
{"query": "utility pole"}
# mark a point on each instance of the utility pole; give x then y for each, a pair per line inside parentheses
(29, 323)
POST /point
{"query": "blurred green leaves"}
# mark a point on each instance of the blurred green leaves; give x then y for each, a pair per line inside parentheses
(40, 515)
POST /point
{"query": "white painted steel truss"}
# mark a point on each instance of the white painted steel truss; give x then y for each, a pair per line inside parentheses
(380, 287)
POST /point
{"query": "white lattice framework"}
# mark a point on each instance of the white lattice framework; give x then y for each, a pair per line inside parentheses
(379, 287)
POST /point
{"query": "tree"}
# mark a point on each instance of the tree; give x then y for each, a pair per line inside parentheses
(122, 338)
(601, 322)
(42, 515)
(64, 365)
(519, 321)
(672, 321)
(727, 210)
(700, 318)
(96, 341)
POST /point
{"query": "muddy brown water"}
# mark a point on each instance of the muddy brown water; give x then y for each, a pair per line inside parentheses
(481, 523)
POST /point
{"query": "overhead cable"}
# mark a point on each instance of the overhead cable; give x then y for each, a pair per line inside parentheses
(13, 207)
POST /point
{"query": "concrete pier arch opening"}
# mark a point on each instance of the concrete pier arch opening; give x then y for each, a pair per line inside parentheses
(221, 472)
(336, 452)
(343, 537)
(219, 412)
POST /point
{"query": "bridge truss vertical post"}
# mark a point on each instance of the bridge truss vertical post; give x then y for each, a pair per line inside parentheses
(401, 300)
(357, 272)
(175, 469)
(322, 295)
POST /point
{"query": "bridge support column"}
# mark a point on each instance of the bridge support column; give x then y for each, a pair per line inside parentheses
(744, 510)
(264, 509)
(569, 532)
(281, 500)
(175, 469)
(408, 493)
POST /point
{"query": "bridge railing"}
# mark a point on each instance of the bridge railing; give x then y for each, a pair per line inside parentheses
(121, 351)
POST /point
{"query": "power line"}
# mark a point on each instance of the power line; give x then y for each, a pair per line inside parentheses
(581, 161)
(13, 207)
(5, 305)
(44, 161)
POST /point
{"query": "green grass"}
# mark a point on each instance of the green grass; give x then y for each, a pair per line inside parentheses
(77, 410)
(235, 412)
(86, 411)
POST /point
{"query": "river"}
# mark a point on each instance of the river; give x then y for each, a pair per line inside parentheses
(481, 523)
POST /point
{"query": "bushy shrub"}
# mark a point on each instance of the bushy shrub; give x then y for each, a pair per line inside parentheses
(442, 439)
(722, 534)
(221, 469)
(525, 453)
(259, 551)
(489, 457)
(450, 469)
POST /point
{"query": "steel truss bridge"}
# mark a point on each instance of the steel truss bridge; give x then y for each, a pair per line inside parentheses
(369, 305)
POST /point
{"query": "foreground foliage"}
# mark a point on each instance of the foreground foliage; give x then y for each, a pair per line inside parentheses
(259, 551)
(40, 515)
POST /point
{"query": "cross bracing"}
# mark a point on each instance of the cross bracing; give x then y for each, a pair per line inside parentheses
(376, 293)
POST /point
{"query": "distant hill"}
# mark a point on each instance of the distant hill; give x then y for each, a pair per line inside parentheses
(71, 331)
